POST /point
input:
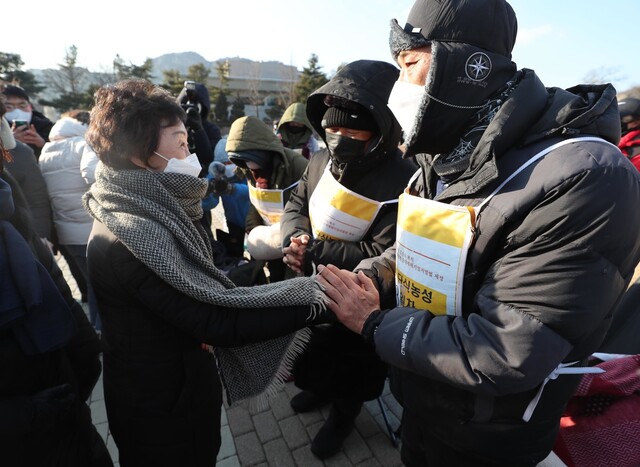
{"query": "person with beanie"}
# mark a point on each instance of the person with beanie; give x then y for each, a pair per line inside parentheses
(272, 171)
(295, 131)
(28, 125)
(363, 171)
(516, 239)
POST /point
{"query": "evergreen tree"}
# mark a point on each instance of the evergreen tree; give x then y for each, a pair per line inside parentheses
(221, 109)
(70, 82)
(275, 111)
(173, 81)
(124, 71)
(310, 79)
(11, 72)
(222, 71)
(237, 109)
(198, 73)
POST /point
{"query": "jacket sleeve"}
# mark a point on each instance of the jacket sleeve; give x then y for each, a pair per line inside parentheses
(295, 220)
(539, 304)
(85, 347)
(88, 164)
(214, 325)
(27, 173)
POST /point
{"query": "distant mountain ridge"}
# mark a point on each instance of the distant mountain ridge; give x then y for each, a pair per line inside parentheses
(240, 68)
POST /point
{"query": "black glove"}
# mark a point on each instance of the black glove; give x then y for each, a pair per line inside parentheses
(50, 406)
(222, 187)
(194, 122)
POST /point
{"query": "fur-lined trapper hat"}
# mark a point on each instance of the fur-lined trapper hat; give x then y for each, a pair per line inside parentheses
(471, 43)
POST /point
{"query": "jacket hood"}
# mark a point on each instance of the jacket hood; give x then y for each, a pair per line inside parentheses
(367, 83)
(249, 133)
(66, 128)
(202, 96)
(296, 112)
(585, 109)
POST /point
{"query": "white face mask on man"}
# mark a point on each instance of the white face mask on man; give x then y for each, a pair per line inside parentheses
(18, 115)
(187, 166)
(404, 102)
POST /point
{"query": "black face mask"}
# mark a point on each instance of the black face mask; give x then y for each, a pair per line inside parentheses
(345, 149)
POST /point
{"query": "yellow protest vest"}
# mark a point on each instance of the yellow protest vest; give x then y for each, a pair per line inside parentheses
(269, 203)
(432, 243)
(338, 213)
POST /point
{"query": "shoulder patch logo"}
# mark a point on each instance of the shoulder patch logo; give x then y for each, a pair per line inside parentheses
(478, 66)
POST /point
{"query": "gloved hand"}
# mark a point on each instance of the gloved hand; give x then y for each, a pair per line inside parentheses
(223, 187)
(194, 122)
(217, 170)
(50, 406)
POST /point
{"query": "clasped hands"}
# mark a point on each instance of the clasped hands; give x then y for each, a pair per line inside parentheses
(352, 297)
(293, 255)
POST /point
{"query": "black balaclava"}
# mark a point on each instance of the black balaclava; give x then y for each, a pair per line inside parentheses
(471, 43)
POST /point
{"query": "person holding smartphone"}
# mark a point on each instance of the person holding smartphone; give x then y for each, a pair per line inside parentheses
(28, 125)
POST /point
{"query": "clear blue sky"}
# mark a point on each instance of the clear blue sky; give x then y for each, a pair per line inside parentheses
(563, 40)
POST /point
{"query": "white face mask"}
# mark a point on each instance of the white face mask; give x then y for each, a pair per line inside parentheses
(19, 115)
(188, 166)
(404, 102)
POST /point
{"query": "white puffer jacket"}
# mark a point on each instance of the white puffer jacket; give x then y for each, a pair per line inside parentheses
(60, 165)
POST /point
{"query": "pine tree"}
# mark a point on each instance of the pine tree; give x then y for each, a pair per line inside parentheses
(221, 109)
(11, 72)
(237, 109)
(310, 79)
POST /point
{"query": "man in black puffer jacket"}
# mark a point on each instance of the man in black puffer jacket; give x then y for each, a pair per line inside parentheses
(515, 243)
(343, 211)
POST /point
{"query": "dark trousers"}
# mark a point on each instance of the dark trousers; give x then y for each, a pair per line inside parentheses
(421, 449)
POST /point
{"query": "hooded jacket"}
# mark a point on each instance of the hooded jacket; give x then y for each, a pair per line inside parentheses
(203, 141)
(263, 242)
(553, 252)
(338, 363)
(380, 175)
(249, 133)
(60, 166)
(303, 142)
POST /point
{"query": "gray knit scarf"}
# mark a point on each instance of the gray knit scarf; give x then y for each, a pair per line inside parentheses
(155, 215)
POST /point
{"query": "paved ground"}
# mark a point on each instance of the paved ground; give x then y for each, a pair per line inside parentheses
(279, 437)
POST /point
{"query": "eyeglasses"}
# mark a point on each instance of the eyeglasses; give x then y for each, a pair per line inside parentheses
(23, 105)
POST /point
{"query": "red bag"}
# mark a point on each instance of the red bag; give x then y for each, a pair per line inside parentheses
(601, 424)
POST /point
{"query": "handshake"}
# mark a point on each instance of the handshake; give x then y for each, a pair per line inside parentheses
(219, 184)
